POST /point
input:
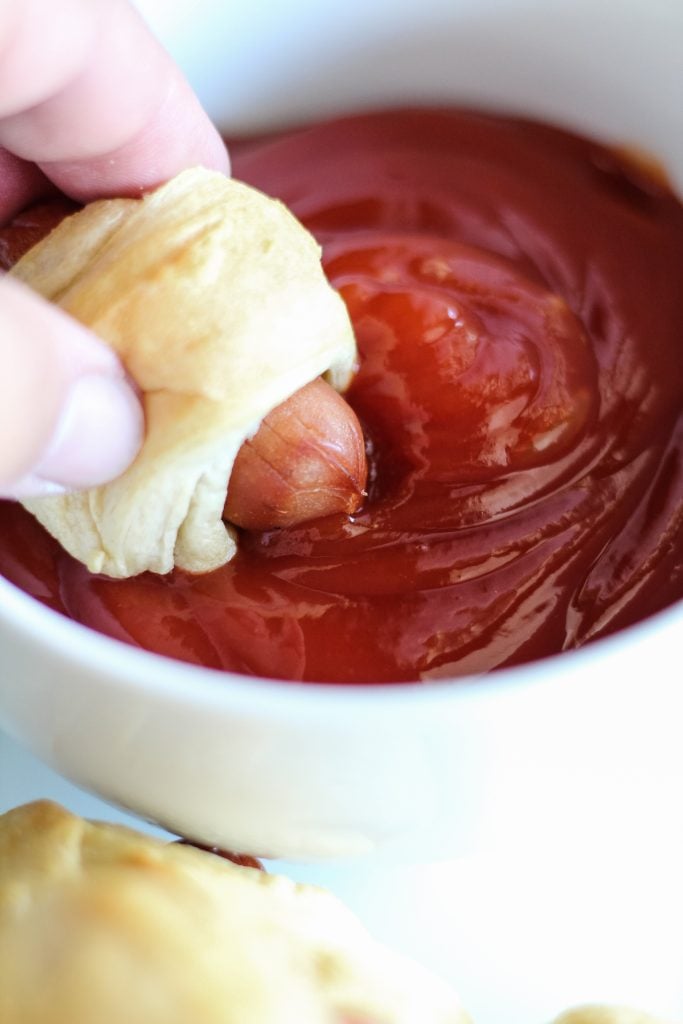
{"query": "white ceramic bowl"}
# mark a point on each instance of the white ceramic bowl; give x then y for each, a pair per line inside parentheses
(583, 745)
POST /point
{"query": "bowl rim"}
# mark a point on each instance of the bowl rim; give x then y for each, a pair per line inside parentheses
(133, 668)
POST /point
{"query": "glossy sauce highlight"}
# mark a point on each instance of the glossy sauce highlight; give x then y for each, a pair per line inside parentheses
(515, 292)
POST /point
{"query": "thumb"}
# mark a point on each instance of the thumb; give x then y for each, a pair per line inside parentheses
(69, 418)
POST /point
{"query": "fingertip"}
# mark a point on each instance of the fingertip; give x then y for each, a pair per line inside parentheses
(178, 136)
(125, 122)
(69, 417)
(97, 436)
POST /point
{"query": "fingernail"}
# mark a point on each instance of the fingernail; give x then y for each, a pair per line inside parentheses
(98, 435)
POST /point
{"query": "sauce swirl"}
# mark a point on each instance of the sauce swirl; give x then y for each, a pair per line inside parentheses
(515, 292)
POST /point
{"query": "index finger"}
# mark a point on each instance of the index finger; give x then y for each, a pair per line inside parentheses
(89, 95)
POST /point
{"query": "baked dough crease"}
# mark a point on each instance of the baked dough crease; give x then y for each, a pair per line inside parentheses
(215, 299)
(99, 923)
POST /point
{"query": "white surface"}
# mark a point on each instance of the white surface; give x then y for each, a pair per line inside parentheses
(559, 786)
(520, 934)
(588, 742)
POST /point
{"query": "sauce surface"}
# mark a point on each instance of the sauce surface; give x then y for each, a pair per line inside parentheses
(516, 296)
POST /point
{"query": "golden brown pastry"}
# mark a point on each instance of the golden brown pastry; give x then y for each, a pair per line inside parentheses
(214, 297)
(101, 924)
(606, 1015)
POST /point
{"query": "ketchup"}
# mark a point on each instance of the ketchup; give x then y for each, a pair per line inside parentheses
(243, 860)
(516, 296)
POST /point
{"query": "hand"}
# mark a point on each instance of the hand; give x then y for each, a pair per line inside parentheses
(92, 105)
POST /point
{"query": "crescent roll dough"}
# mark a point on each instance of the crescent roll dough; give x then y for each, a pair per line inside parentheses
(215, 299)
(606, 1015)
(101, 924)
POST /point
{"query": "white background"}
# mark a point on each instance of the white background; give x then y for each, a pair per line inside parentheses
(521, 934)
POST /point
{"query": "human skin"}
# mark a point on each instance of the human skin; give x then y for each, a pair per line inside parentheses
(90, 105)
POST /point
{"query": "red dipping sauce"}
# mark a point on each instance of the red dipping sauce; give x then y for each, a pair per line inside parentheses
(516, 295)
